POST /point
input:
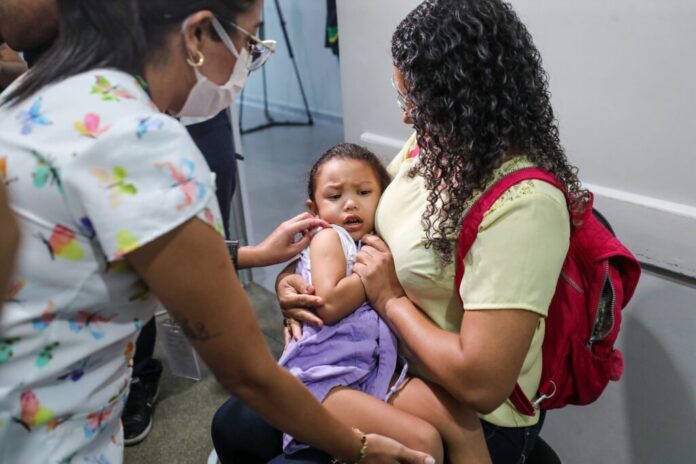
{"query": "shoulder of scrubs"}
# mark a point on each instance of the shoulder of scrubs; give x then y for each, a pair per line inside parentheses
(134, 173)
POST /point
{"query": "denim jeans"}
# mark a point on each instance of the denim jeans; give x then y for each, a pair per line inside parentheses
(511, 445)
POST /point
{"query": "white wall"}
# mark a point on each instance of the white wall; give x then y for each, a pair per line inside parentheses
(370, 112)
(319, 68)
(623, 86)
(621, 78)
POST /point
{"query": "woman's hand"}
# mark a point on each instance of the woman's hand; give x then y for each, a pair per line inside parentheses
(281, 245)
(381, 449)
(296, 296)
(375, 266)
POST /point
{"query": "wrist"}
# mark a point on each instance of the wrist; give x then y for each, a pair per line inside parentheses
(248, 257)
(358, 456)
(392, 305)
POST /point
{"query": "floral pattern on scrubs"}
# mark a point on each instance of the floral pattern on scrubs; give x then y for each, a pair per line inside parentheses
(93, 172)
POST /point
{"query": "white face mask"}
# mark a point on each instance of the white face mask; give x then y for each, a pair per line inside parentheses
(207, 98)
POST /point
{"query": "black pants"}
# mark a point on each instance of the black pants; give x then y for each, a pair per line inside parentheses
(214, 138)
(145, 367)
(241, 436)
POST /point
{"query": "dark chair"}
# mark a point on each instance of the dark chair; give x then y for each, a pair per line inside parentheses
(543, 454)
(600, 217)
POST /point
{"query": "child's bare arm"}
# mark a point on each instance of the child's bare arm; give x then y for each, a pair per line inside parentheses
(342, 295)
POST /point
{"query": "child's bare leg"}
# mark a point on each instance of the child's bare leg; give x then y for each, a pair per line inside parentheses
(458, 425)
(358, 409)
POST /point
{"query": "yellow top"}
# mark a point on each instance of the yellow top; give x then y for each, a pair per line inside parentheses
(514, 263)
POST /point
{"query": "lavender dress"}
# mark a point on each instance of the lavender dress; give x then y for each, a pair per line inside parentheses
(359, 351)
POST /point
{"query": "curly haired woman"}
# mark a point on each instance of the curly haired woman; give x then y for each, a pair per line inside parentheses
(470, 81)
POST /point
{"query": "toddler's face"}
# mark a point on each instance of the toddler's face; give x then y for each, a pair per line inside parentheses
(346, 194)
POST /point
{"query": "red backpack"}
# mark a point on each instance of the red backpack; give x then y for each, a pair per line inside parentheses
(597, 280)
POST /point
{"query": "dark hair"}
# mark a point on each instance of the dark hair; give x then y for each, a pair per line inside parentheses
(160, 17)
(477, 93)
(119, 34)
(348, 151)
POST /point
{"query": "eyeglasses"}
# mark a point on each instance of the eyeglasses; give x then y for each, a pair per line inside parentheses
(400, 97)
(260, 50)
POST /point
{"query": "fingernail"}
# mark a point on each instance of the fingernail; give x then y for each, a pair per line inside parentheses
(429, 460)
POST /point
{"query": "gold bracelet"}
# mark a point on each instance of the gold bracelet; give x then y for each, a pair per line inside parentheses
(363, 449)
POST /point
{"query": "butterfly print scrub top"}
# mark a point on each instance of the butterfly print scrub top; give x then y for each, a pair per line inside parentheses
(93, 172)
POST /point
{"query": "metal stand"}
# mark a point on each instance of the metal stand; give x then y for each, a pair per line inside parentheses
(239, 229)
(272, 122)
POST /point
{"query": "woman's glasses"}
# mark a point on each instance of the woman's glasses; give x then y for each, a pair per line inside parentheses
(400, 97)
(260, 50)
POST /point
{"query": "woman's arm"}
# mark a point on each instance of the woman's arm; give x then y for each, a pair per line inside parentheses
(480, 365)
(9, 240)
(341, 294)
(190, 272)
(281, 245)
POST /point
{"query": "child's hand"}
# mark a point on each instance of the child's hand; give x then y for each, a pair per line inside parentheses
(291, 329)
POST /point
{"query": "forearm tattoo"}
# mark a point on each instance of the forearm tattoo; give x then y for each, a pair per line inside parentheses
(195, 331)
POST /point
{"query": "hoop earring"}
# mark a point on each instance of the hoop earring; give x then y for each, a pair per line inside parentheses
(200, 59)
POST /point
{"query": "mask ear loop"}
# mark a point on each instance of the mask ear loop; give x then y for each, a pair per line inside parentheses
(224, 37)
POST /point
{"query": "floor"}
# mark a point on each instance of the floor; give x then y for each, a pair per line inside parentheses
(276, 165)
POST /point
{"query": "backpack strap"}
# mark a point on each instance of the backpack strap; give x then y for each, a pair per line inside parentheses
(469, 231)
(474, 216)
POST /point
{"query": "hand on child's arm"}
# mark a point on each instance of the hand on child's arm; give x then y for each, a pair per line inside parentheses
(375, 266)
(296, 296)
(283, 243)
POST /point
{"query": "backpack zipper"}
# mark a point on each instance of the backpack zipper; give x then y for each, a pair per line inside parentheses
(604, 317)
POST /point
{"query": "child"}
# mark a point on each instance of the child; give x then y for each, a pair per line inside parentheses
(355, 349)
(350, 362)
